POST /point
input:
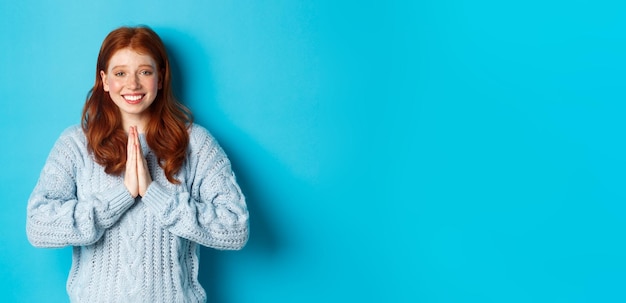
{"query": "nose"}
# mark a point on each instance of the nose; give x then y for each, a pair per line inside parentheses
(133, 82)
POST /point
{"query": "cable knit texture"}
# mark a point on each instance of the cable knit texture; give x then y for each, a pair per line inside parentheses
(140, 249)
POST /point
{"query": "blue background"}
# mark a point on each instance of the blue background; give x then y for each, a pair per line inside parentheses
(394, 151)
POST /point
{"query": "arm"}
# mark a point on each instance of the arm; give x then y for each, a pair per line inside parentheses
(212, 210)
(56, 217)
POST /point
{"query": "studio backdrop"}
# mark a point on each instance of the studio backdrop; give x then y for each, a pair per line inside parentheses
(390, 151)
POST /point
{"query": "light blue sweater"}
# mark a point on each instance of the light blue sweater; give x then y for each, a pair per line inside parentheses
(143, 249)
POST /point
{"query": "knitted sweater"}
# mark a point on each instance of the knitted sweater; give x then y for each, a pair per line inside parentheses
(140, 249)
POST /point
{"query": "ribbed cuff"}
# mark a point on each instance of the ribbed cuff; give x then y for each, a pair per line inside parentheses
(157, 198)
(119, 199)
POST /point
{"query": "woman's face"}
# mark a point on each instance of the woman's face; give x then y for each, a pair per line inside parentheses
(133, 81)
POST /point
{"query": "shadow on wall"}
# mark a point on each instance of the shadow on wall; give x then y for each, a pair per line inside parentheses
(265, 241)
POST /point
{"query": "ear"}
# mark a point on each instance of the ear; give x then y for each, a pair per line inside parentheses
(105, 82)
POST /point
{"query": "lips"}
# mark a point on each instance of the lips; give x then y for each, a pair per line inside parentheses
(133, 99)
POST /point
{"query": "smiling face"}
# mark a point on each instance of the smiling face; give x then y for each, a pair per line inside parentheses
(132, 81)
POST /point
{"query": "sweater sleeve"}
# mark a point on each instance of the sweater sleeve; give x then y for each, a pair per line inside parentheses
(212, 209)
(55, 216)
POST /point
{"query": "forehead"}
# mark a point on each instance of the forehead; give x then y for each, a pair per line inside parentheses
(130, 58)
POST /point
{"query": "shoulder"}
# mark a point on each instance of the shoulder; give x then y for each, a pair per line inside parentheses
(69, 147)
(72, 139)
(199, 136)
(203, 145)
(72, 135)
(74, 131)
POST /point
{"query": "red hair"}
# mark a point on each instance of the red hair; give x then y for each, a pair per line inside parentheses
(166, 132)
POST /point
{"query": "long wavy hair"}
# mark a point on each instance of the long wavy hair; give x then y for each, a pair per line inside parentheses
(166, 132)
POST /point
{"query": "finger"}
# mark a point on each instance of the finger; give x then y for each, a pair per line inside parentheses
(136, 140)
(143, 173)
(130, 177)
(129, 146)
(131, 162)
(143, 178)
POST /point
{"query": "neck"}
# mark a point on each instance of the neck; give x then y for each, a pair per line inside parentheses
(141, 121)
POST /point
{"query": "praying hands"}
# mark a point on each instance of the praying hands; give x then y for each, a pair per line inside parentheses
(137, 176)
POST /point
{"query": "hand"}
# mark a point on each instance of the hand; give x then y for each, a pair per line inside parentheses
(137, 177)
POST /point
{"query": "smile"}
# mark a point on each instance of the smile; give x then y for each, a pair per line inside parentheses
(133, 99)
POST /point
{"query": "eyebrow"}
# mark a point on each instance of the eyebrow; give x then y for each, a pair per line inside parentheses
(142, 65)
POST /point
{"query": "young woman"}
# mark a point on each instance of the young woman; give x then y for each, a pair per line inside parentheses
(137, 185)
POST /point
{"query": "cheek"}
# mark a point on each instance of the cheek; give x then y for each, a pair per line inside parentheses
(154, 84)
(114, 86)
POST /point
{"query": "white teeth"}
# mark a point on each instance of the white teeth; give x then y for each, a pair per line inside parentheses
(133, 98)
